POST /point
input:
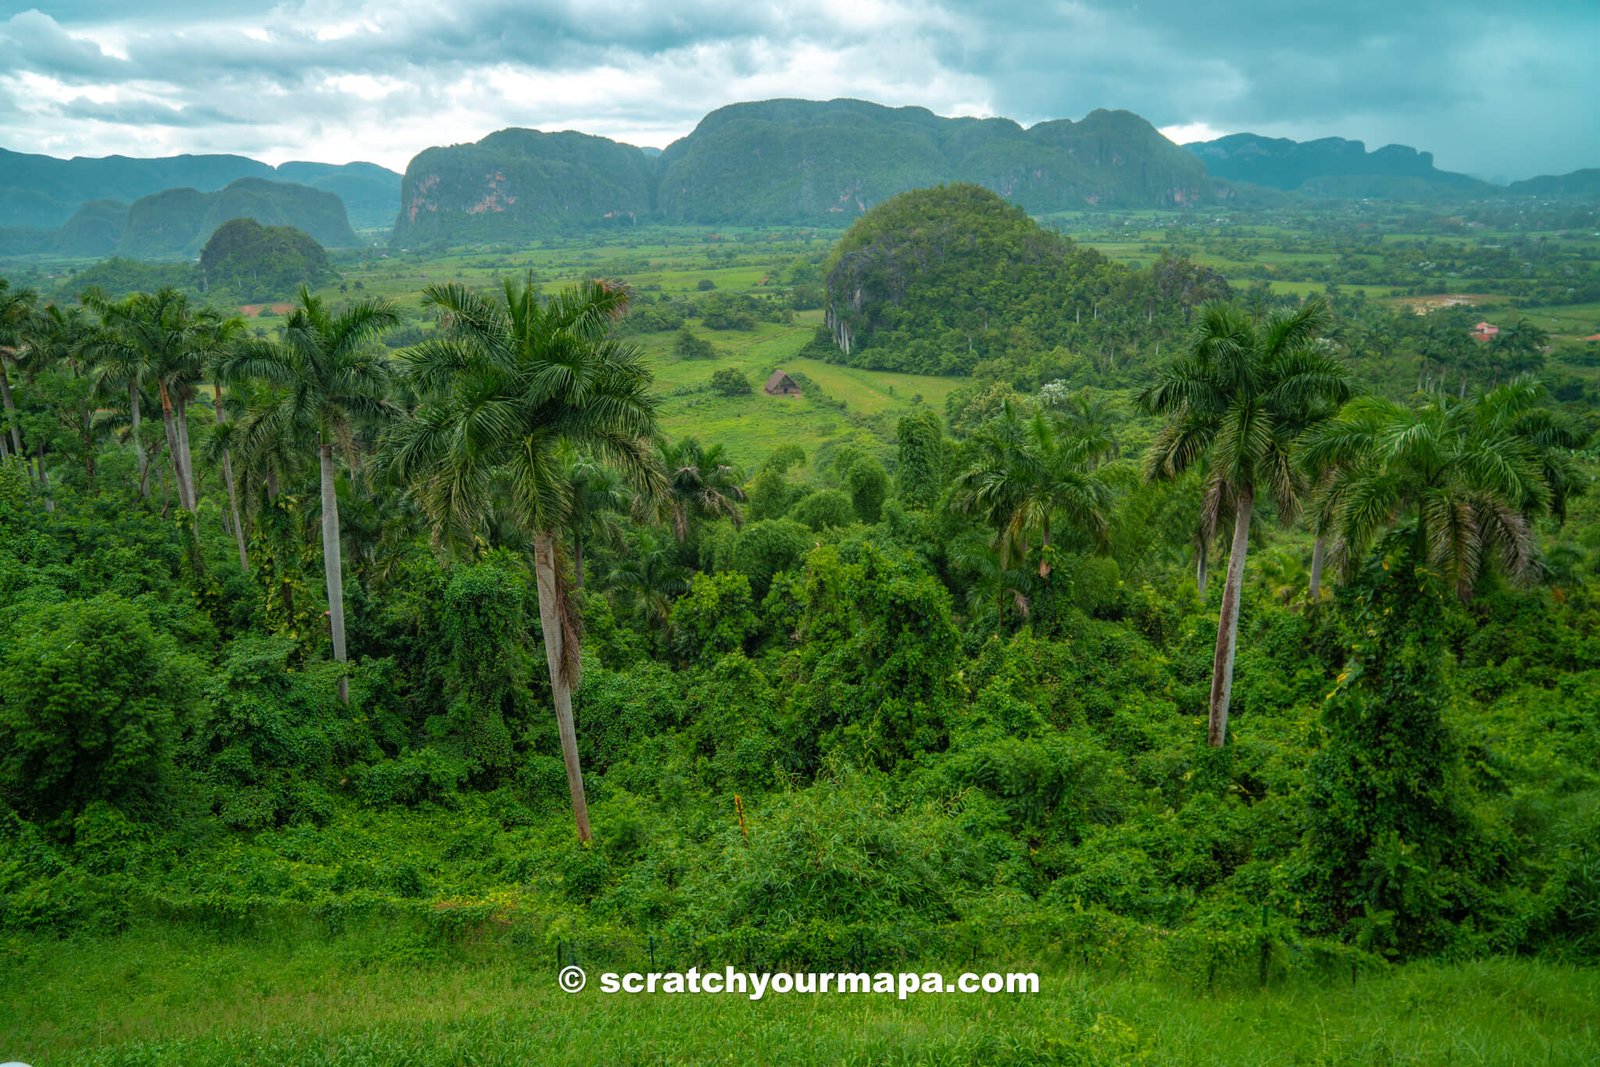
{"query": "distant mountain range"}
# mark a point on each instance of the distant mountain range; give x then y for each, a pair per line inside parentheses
(787, 161)
(1333, 166)
(42, 192)
(176, 223)
(774, 162)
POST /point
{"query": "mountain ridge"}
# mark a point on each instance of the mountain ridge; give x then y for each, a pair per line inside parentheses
(44, 192)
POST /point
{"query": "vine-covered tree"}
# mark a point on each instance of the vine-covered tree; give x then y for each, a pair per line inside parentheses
(329, 373)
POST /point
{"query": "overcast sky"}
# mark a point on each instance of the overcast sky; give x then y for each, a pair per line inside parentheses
(1491, 87)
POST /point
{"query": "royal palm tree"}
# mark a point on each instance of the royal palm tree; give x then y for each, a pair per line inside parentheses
(1236, 402)
(512, 386)
(1026, 473)
(218, 339)
(16, 309)
(58, 351)
(701, 484)
(1472, 475)
(155, 337)
(328, 374)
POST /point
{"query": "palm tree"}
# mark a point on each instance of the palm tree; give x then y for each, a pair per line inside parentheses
(59, 348)
(1027, 471)
(218, 339)
(1236, 402)
(644, 582)
(1473, 475)
(328, 375)
(155, 336)
(701, 484)
(16, 307)
(514, 385)
(599, 496)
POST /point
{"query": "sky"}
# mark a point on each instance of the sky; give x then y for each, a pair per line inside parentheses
(1497, 89)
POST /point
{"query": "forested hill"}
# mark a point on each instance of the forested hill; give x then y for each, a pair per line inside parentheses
(800, 160)
(522, 182)
(178, 222)
(42, 192)
(789, 161)
(1332, 166)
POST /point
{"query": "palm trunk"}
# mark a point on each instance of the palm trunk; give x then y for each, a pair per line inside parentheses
(331, 565)
(11, 408)
(174, 453)
(188, 456)
(227, 478)
(556, 658)
(1228, 623)
(44, 481)
(138, 442)
(1202, 569)
(1319, 551)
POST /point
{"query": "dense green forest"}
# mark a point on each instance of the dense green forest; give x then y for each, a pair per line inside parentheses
(1202, 633)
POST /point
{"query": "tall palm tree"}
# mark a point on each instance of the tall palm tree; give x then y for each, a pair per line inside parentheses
(16, 307)
(1472, 475)
(701, 484)
(218, 339)
(1237, 401)
(59, 351)
(155, 336)
(511, 386)
(329, 374)
(1025, 473)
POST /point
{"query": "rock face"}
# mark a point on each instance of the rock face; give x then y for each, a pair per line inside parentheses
(788, 161)
(521, 183)
(1331, 166)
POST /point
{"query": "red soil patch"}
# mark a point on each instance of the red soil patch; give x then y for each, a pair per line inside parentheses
(250, 311)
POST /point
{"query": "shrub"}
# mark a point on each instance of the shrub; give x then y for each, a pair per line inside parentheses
(91, 703)
(730, 382)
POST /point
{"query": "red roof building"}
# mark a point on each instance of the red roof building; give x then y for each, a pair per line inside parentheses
(1485, 331)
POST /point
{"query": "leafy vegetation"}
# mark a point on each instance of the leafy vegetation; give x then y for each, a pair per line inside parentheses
(262, 263)
(904, 670)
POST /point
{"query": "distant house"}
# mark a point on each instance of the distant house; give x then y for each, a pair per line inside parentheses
(1485, 331)
(780, 384)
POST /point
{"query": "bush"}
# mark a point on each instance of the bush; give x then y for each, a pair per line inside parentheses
(91, 703)
(730, 382)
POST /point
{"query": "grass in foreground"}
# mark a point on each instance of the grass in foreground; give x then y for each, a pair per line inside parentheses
(170, 995)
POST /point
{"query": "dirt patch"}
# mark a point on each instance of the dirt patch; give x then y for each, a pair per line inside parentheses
(251, 311)
(1424, 304)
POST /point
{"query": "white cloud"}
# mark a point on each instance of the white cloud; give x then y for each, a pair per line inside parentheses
(383, 79)
(1188, 132)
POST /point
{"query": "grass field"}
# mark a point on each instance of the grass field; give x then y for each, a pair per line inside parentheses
(175, 996)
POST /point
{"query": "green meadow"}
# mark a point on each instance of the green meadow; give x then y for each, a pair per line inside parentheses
(175, 996)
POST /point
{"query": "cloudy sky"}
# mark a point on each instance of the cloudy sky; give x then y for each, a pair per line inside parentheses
(1492, 88)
